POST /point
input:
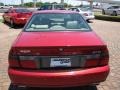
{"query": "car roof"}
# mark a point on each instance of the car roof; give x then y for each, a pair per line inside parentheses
(114, 6)
(55, 11)
(17, 8)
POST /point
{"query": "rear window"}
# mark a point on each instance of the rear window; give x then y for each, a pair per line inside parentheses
(116, 7)
(46, 7)
(22, 10)
(57, 21)
(52, 6)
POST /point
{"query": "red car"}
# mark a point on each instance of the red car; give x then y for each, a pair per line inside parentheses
(57, 49)
(17, 16)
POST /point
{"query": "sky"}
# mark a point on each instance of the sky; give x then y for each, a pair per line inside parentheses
(73, 2)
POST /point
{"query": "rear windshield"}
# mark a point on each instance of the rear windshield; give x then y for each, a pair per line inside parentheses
(52, 6)
(57, 21)
(22, 10)
(86, 8)
(116, 7)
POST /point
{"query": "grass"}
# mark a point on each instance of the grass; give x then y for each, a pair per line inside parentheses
(1, 20)
(98, 15)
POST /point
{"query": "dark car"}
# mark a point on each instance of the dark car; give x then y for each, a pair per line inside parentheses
(112, 10)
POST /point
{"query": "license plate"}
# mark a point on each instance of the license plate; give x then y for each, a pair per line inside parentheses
(60, 62)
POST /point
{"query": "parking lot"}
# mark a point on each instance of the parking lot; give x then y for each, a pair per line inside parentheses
(108, 31)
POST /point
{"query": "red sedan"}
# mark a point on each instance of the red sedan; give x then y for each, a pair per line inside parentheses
(57, 49)
(17, 16)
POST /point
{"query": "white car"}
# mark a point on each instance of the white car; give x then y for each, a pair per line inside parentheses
(6, 7)
(86, 12)
(112, 10)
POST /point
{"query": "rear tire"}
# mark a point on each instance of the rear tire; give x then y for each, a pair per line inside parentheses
(16, 87)
(88, 21)
(13, 87)
(12, 24)
(4, 21)
(114, 13)
(103, 12)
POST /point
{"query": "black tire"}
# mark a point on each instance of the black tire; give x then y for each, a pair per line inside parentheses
(16, 87)
(12, 24)
(4, 21)
(103, 12)
(114, 13)
(13, 87)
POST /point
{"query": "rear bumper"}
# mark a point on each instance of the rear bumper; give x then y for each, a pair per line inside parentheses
(58, 79)
(90, 17)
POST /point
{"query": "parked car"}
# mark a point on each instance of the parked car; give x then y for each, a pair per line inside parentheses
(112, 10)
(5, 6)
(57, 48)
(52, 7)
(86, 12)
(17, 16)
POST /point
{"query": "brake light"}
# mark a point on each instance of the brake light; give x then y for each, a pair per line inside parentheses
(28, 61)
(85, 14)
(19, 15)
(104, 58)
(17, 61)
(96, 59)
(13, 59)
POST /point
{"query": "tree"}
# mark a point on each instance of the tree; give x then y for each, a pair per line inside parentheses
(39, 4)
(29, 4)
(54, 3)
(1, 4)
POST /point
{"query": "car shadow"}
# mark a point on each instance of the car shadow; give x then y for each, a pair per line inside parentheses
(70, 88)
(90, 21)
(15, 27)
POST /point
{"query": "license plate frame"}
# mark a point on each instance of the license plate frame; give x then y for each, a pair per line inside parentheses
(60, 62)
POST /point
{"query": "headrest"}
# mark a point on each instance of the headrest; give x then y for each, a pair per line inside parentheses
(72, 25)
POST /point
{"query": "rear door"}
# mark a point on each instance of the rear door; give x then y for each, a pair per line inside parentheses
(109, 10)
(117, 9)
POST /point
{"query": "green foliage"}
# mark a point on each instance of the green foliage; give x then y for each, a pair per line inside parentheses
(29, 4)
(1, 4)
(39, 4)
(108, 18)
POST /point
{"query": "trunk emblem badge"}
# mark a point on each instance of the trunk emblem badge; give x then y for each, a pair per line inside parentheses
(60, 49)
(25, 51)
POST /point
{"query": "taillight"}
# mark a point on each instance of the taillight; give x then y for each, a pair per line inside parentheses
(85, 14)
(99, 58)
(19, 15)
(104, 58)
(29, 61)
(92, 60)
(17, 61)
(13, 60)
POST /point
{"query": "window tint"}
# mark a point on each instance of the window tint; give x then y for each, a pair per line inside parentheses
(52, 6)
(42, 22)
(110, 8)
(22, 10)
(116, 7)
